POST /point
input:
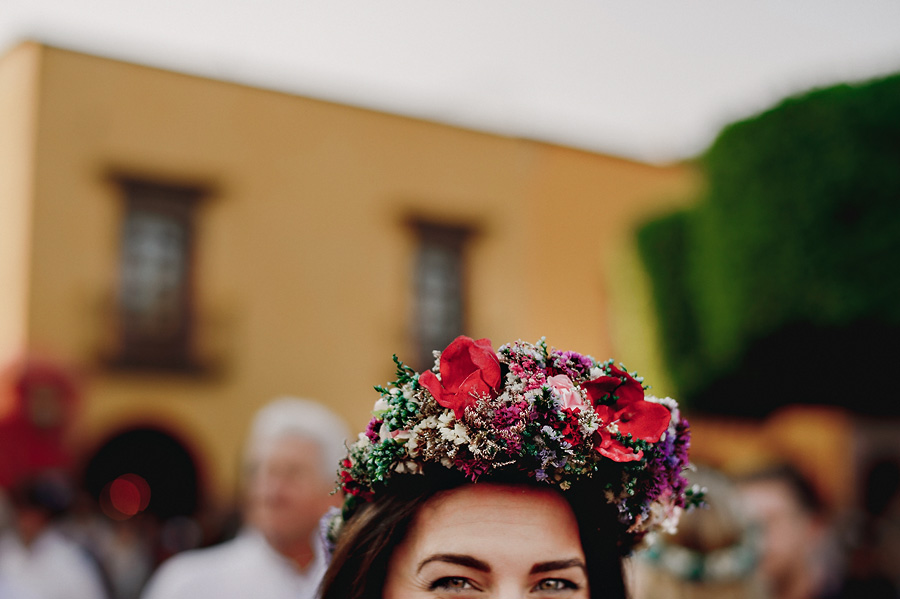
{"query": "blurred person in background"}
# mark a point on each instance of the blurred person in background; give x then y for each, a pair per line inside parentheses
(714, 554)
(9, 589)
(874, 566)
(290, 458)
(121, 548)
(35, 556)
(798, 557)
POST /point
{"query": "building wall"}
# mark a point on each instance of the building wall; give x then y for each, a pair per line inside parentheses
(18, 114)
(304, 252)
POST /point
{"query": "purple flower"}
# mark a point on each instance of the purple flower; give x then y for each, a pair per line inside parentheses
(571, 364)
(547, 456)
(473, 468)
(512, 440)
(372, 430)
(666, 463)
(507, 416)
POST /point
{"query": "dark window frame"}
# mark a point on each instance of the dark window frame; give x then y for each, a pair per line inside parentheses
(167, 208)
(453, 240)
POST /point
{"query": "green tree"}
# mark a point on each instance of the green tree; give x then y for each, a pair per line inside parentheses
(785, 275)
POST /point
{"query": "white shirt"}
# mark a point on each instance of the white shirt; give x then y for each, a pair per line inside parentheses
(9, 590)
(53, 567)
(243, 568)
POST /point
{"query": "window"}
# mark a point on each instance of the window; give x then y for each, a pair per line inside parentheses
(154, 303)
(439, 281)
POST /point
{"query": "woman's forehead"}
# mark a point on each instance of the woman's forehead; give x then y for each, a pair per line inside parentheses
(496, 494)
(467, 514)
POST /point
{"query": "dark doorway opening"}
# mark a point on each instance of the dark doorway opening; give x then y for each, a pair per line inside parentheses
(156, 457)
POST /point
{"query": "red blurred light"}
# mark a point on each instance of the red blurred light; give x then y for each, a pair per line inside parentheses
(142, 486)
(125, 496)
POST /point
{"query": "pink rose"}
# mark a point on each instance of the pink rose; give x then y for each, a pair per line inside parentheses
(469, 370)
(565, 390)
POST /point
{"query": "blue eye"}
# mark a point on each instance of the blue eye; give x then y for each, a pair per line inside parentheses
(555, 584)
(451, 583)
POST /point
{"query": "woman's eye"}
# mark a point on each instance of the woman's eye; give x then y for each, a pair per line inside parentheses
(555, 584)
(452, 583)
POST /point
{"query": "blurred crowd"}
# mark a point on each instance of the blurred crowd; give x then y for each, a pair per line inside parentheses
(765, 534)
(57, 543)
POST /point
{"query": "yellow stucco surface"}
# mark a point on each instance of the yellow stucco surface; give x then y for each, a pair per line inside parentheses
(303, 252)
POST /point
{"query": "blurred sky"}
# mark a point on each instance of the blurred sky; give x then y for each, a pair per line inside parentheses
(648, 79)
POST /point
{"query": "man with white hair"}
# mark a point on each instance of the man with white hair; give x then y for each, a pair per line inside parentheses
(291, 460)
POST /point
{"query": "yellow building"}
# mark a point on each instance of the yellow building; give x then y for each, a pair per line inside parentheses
(193, 248)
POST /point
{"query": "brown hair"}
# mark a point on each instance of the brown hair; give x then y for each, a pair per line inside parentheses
(360, 564)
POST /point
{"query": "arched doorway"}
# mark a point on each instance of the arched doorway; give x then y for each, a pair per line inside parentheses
(147, 454)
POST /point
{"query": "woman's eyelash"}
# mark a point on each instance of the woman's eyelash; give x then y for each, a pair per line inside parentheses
(556, 584)
(459, 583)
(451, 583)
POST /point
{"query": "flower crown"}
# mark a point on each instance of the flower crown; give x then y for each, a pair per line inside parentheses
(559, 417)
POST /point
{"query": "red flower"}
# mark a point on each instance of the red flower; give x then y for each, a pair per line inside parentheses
(469, 370)
(627, 390)
(570, 427)
(608, 446)
(630, 413)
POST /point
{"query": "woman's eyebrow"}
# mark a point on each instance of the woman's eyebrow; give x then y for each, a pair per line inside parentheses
(558, 565)
(455, 558)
